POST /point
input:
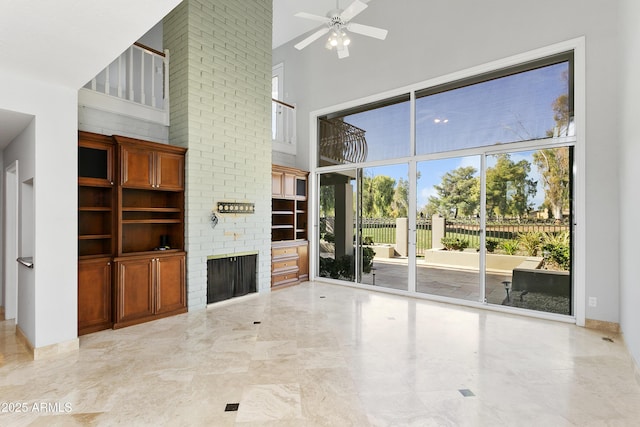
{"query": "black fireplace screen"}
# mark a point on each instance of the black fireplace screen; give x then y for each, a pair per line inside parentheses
(230, 277)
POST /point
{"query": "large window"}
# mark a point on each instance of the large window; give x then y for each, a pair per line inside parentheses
(479, 208)
(379, 131)
(510, 106)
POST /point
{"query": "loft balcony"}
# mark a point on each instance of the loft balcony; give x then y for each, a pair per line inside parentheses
(135, 84)
(283, 126)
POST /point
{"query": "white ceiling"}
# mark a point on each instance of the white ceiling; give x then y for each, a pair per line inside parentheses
(287, 27)
(67, 42)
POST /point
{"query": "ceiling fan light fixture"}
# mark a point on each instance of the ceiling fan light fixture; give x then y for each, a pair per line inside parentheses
(335, 24)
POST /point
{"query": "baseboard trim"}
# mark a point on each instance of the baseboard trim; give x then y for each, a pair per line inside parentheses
(601, 325)
(47, 351)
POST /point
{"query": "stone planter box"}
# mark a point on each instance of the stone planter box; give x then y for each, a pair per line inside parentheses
(383, 251)
(471, 260)
(556, 283)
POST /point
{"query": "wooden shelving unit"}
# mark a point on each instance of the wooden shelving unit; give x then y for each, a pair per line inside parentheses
(150, 258)
(289, 245)
(131, 265)
(96, 231)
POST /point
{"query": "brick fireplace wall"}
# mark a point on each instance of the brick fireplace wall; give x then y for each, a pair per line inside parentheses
(220, 94)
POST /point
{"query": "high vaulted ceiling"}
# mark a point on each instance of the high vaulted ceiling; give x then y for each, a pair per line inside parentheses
(287, 27)
(67, 42)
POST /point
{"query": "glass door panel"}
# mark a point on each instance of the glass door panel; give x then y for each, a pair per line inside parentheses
(383, 226)
(448, 228)
(528, 233)
(336, 226)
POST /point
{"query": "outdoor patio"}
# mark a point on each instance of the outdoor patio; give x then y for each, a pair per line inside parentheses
(437, 280)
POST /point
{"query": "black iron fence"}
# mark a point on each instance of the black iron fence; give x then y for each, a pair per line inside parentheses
(383, 230)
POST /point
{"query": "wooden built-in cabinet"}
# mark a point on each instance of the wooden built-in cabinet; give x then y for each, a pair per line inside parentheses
(149, 287)
(135, 222)
(96, 231)
(289, 245)
(94, 295)
(144, 165)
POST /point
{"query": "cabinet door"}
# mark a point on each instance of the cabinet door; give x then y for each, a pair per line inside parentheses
(169, 171)
(137, 167)
(134, 289)
(95, 160)
(276, 184)
(170, 284)
(289, 184)
(303, 262)
(94, 295)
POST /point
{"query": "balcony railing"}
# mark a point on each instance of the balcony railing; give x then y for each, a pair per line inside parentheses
(283, 126)
(135, 84)
(341, 142)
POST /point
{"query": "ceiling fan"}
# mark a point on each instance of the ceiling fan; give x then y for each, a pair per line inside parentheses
(338, 22)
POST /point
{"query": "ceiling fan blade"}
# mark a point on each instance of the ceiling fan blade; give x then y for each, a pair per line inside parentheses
(367, 30)
(312, 17)
(343, 52)
(352, 10)
(313, 37)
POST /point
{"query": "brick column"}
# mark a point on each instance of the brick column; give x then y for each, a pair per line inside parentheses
(220, 89)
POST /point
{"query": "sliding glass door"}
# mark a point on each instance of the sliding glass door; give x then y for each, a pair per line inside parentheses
(448, 227)
(337, 211)
(528, 232)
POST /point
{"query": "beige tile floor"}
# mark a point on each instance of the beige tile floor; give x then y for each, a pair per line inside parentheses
(328, 355)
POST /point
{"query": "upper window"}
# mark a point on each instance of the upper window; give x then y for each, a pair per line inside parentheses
(379, 131)
(529, 102)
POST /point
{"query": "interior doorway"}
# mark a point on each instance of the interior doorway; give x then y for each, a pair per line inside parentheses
(11, 223)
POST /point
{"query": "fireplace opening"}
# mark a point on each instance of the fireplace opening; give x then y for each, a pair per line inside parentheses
(230, 276)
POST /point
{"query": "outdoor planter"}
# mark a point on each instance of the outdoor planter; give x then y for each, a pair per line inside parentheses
(556, 283)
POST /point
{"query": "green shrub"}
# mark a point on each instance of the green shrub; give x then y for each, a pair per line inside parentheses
(510, 247)
(530, 242)
(329, 238)
(367, 240)
(556, 249)
(454, 243)
(343, 267)
(491, 244)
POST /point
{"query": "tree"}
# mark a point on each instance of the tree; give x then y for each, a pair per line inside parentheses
(509, 187)
(377, 196)
(553, 164)
(400, 204)
(458, 194)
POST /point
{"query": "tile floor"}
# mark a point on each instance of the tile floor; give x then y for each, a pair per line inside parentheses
(327, 355)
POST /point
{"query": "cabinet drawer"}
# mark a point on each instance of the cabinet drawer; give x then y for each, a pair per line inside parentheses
(288, 265)
(282, 279)
(284, 252)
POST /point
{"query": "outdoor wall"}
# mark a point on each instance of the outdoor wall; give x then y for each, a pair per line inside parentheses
(629, 175)
(220, 89)
(432, 39)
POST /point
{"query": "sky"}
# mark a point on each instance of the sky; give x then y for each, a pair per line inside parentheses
(499, 111)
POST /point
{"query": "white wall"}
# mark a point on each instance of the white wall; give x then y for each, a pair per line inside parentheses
(50, 142)
(630, 175)
(432, 39)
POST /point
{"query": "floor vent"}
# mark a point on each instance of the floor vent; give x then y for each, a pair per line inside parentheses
(231, 407)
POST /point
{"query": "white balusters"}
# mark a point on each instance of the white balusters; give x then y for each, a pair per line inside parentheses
(284, 123)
